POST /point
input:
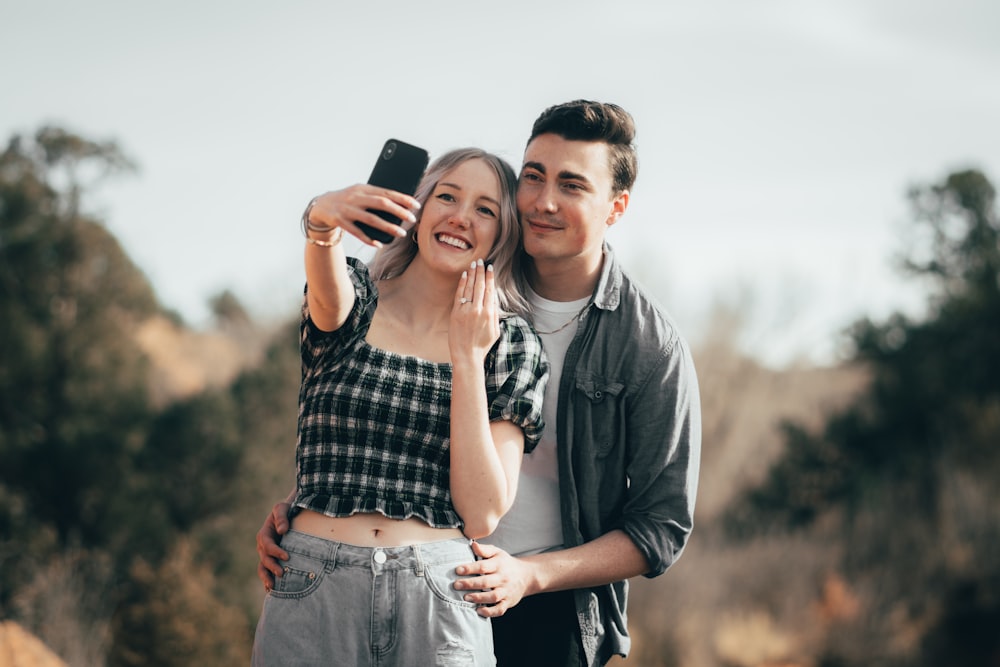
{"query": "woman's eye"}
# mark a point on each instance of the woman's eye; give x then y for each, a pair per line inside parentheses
(444, 196)
(486, 210)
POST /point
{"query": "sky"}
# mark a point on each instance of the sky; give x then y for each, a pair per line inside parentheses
(777, 139)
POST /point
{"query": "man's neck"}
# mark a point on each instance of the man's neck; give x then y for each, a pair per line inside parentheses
(564, 279)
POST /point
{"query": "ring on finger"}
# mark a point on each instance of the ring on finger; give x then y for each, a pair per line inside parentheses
(463, 300)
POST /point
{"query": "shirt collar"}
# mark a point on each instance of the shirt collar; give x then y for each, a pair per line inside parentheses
(607, 294)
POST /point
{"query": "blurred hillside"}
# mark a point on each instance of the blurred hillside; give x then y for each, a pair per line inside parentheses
(846, 516)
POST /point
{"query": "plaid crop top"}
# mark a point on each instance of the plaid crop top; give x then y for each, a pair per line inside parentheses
(374, 425)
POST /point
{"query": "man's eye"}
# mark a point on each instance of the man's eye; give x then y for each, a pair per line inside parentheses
(530, 177)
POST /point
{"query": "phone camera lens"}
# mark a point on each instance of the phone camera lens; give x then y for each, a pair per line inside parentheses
(390, 150)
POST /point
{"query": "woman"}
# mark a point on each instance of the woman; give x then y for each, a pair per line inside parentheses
(417, 402)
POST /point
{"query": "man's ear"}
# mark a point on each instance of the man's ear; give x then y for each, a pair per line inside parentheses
(618, 206)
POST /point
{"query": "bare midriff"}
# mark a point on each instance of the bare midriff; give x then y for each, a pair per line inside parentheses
(371, 530)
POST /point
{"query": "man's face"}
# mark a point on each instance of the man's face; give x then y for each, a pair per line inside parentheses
(565, 199)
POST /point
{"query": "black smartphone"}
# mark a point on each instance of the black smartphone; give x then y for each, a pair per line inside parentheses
(399, 167)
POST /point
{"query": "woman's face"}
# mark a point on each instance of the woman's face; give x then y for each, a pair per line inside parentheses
(461, 219)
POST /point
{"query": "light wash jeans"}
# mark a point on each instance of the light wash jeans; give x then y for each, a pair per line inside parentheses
(339, 604)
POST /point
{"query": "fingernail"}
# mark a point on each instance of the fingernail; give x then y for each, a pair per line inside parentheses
(377, 244)
(479, 261)
(489, 268)
(400, 232)
(473, 266)
(465, 274)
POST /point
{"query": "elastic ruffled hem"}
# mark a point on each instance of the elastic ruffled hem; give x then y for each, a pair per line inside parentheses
(393, 509)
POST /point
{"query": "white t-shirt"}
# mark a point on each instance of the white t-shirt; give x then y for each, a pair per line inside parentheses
(534, 522)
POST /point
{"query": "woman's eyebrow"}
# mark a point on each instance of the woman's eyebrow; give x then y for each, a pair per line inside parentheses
(459, 187)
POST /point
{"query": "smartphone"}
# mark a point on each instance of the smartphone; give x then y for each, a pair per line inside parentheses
(399, 167)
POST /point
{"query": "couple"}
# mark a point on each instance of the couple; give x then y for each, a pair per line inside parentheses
(420, 367)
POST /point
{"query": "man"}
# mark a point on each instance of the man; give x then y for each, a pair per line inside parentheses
(609, 492)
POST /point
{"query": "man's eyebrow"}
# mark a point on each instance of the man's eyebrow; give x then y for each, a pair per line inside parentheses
(565, 174)
(572, 176)
(537, 166)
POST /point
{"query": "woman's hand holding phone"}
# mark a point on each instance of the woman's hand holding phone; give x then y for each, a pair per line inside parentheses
(360, 204)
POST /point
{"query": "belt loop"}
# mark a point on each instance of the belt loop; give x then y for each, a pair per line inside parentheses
(331, 560)
(418, 558)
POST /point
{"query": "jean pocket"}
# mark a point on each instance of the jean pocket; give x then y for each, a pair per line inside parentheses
(301, 575)
(440, 579)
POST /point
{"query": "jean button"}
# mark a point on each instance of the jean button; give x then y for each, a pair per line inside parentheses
(379, 556)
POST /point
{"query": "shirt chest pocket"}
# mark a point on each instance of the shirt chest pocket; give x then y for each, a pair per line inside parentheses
(602, 402)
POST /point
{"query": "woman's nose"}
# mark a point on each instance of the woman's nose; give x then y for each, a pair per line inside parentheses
(461, 218)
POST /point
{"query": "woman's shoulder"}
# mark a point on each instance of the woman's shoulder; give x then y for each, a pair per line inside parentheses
(519, 345)
(517, 327)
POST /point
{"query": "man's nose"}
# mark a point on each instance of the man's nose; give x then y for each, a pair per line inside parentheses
(546, 199)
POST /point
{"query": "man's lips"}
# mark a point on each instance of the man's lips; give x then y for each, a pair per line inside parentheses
(543, 225)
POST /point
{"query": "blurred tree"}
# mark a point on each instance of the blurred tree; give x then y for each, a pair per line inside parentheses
(172, 617)
(212, 467)
(228, 310)
(72, 383)
(935, 384)
(264, 408)
(911, 465)
(87, 464)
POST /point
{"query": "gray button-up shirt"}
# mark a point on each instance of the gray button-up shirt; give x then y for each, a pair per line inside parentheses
(629, 444)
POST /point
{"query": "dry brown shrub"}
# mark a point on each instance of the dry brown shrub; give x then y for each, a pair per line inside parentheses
(66, 604)
(175, 618)
(19, 648)
(743, 406)
(776, 597)
(185, 362)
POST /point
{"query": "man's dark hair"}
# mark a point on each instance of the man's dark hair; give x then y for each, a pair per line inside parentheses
(583, 120)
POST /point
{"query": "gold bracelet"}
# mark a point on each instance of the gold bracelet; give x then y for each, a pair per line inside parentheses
(309, 226)
(335, 238)
(305, 217)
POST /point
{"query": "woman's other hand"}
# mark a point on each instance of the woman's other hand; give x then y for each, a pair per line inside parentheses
(475, 316)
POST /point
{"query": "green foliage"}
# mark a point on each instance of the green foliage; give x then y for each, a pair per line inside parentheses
(171, 616)
(148, 499)
(72, 382)
(934, 381)
(888, 463)
(227, 309)
(957, 241)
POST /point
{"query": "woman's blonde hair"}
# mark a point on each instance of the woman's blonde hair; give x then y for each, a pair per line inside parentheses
(505, 255)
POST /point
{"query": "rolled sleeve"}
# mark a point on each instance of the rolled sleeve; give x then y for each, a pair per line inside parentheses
(664, 433)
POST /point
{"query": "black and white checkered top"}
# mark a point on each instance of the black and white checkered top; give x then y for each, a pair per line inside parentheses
(374, 428)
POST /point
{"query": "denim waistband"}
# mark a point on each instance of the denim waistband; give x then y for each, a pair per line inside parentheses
(386, 558)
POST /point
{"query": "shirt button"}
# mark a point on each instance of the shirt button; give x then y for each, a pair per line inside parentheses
(379, 556)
